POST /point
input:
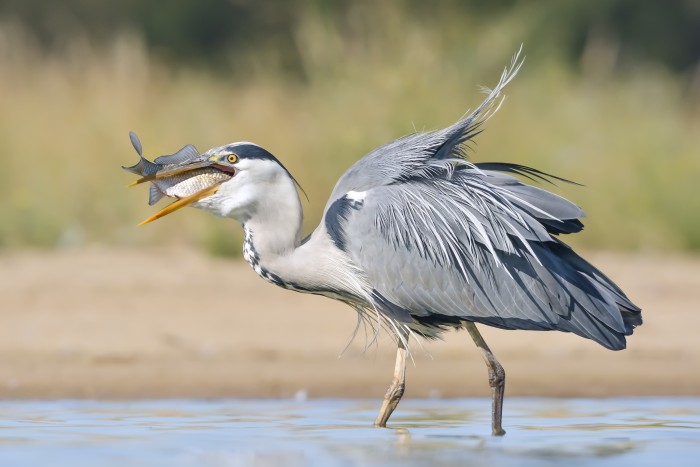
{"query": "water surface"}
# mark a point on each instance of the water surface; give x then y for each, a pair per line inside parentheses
(608, 432)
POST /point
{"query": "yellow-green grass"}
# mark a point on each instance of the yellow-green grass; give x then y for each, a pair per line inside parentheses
(632, 138)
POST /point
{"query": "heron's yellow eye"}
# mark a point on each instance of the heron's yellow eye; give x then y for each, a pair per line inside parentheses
(232, 158)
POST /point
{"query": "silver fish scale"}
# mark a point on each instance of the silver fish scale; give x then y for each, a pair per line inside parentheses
(189, 183)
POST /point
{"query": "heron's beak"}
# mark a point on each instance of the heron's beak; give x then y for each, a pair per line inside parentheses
(165, 173)
(182, 202)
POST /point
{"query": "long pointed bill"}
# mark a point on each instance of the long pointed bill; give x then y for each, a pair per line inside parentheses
(174, 171)
(182, 202)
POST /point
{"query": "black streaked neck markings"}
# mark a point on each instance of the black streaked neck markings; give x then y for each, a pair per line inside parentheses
(252, 257)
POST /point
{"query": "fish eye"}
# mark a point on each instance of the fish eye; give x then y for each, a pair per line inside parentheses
(232, 158)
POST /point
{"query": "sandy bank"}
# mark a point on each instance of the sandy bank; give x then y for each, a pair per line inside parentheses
(132, 324)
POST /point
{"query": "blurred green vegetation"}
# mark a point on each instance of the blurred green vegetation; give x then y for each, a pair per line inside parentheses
(609, 96)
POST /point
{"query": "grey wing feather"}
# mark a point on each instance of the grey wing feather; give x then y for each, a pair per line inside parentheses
(411, 155)
(557, 214)
(443, 240)
(441, 275)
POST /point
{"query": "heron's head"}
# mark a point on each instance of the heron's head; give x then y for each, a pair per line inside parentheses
(259, 185)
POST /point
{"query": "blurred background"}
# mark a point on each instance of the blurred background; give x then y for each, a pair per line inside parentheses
(609, 97)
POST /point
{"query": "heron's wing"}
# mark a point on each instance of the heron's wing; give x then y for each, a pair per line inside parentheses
(413, 155)
(443, 240)
(461, 248)
(556, 214)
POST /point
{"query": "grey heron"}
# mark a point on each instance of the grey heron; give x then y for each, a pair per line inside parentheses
(416, 238)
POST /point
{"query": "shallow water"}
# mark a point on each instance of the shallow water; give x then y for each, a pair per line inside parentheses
(609, 432)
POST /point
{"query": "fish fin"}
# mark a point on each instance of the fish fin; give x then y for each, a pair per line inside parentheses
(136, 143)
(154, 195)
(185, 154)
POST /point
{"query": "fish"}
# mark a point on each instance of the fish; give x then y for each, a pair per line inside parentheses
(183, 186)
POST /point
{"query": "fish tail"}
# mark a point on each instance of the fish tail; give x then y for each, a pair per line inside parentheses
(143, 167)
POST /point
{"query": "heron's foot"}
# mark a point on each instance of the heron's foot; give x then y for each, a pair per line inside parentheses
(497, 381)
(380, 423)
(391, 400)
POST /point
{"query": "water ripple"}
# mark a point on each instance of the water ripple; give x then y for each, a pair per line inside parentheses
(609, 432)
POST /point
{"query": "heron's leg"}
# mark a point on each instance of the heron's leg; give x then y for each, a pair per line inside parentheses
(398, 384)
(497, 379)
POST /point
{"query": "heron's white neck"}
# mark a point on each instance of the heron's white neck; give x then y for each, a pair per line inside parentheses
(264, 199)
(277, 231)
(316, 267)
(273, 235)
(270, 211)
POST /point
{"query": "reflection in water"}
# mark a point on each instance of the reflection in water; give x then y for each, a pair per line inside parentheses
(636, 431)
